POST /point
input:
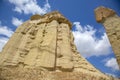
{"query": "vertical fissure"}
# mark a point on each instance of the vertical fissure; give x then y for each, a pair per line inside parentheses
(56, 48)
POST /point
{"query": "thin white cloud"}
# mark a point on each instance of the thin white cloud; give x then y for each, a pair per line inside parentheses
(16, 22)
(30, 6)
(109, 74)
(88, 44)
(112, 63)
(3, 41)
(4, 30)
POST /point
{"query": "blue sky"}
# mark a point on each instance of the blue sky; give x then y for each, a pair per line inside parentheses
(90, 37)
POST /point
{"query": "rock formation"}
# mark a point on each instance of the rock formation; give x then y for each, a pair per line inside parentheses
(111, 22)
(42, 48)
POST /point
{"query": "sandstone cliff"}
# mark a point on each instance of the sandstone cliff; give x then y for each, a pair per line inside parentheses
(42, 48)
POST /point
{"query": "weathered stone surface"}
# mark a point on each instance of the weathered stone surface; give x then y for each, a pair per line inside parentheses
(102, 13)
(45, 45)
(39, 74)
(112, 26)
(35, 17)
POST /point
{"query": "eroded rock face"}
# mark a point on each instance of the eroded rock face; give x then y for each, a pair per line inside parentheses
(101, 13)
(44, 43)
(111, 23)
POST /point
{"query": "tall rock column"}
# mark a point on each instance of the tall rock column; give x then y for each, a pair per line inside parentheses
(111, 22)
(64, 53)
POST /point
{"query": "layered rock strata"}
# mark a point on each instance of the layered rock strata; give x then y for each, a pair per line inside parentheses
(42, 48)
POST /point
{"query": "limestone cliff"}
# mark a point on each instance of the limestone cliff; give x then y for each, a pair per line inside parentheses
(42, 48)
(111, 22)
